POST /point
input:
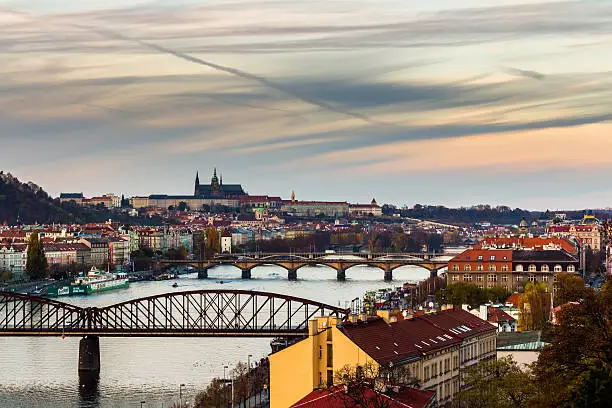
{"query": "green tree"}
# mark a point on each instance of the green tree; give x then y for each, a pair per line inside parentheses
(570, 288)
(182, 206)
(37, 266)
(574, 369)
(497, 294)
(496, 384)
(213, 242)
(535, 306)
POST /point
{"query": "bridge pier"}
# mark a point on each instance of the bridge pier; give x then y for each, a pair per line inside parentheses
(246, 273)
(388, 275)
(292, 274)
(203, 273)
(89, 354)
(341, 274)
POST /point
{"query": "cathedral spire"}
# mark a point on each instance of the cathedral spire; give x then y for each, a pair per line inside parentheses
(197, 183)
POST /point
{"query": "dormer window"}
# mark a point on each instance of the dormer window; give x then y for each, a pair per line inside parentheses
(492, 257)
(480, 257)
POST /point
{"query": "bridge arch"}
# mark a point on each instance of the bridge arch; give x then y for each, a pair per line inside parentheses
(215, 312)
(20, 313)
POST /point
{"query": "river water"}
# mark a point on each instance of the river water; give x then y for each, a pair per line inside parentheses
(42, 372)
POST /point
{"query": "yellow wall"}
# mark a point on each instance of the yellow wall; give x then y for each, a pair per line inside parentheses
(346, 352)
(299, 369)
(291, 373)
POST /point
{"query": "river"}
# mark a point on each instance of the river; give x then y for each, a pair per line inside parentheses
(42, 372)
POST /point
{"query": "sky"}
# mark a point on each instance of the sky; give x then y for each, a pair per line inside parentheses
(442, 102)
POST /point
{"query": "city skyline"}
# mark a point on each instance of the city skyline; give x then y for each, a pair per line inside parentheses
(407, 102)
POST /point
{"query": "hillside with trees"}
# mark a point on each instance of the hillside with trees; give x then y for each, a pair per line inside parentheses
(28, 203)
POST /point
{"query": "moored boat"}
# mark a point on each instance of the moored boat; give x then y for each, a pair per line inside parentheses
(95, 281)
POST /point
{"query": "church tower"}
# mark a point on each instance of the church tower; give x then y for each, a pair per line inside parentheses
(197, 184)
(215, 187)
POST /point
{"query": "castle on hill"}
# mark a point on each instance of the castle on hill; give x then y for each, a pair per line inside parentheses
(216, 188)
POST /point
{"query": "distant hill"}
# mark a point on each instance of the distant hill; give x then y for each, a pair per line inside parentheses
(29, 203)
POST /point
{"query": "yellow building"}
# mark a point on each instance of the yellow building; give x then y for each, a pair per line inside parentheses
(428, 348)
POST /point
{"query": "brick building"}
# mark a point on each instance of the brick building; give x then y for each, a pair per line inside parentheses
(508, 268)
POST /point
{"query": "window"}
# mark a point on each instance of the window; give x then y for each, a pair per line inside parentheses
(320, 352)
(492, 268)
(545, 268)
(467, 278)
(504, 278)
(518, 278)
(479, 278)
(455, 267)
(532, 268)
(479, 268)
(504, 268)
(455, 278)
(492, 257)
(532, 278)
(545, 278)
(426, 373)
(467, 268)
(492, 278)
(519, 268)
(571, 268)
(558, 268)
(480, 257)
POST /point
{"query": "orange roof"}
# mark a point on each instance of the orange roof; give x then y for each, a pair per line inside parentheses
(486, 254)
(514, 299)
(537, 243)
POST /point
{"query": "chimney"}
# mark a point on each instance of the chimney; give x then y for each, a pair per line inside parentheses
(483, 313)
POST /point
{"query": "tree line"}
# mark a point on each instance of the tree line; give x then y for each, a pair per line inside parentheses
(574, 370)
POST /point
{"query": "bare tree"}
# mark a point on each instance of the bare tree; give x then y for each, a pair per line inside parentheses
(370, 385)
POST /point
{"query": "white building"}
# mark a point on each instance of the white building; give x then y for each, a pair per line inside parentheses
(13, 259)
(226, 245)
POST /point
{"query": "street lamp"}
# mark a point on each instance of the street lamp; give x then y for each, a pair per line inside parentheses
(224, 368)
(181, 394)
(142, 403)
(249, 378)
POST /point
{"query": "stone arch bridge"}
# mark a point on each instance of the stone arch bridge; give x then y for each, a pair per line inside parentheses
(292, 262)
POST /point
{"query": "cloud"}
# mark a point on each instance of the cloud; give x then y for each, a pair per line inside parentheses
(283, 84)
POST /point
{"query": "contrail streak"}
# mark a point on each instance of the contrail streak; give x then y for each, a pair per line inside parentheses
(233, 71)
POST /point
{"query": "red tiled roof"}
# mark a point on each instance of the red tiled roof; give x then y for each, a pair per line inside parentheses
(495, 314)
(559, 228)
(336, 397)
(514, 299)
(473, 254)
(393, 342)
(526, 242)
(459, 322)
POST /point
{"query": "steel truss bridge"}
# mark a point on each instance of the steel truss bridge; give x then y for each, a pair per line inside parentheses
(340, 262)
(204, 313)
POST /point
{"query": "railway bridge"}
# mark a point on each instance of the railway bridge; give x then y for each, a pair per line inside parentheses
(200, 313)
(292, 262)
